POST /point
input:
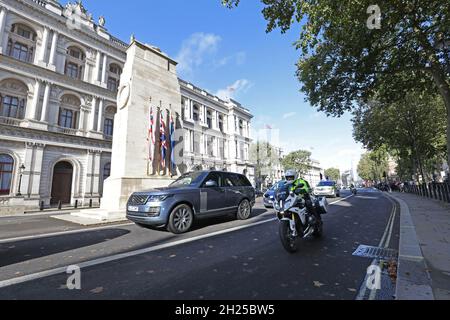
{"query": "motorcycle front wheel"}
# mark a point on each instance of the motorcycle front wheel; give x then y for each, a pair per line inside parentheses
(289, 243)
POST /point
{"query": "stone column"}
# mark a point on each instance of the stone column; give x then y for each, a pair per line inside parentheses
(45, 102)
(82, 117)
(91, 126)
(25, 187)
(3, 14)
(96, 72)
(37, 170)
(191, 110)
(41, 58)
(51, 60)
(100, 116)
(31, 115)
(96, 173)
(105, 64)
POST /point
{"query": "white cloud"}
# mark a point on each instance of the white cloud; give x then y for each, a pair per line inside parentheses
(233, 90)
(194, 50)
(238, 59)
(289, 115)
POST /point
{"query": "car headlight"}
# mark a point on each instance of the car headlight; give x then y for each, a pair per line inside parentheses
(159, 198)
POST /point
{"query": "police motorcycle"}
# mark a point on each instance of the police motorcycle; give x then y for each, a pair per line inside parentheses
(294, 209)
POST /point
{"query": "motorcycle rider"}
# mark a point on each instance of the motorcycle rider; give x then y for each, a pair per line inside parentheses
(305, 192)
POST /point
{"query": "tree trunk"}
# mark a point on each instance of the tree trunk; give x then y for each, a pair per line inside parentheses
(444, 89)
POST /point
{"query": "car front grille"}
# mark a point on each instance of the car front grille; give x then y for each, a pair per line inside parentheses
(138, 200)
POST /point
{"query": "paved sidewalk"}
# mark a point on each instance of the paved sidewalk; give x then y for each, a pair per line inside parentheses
(424, 261)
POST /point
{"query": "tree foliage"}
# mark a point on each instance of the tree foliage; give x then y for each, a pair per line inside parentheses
(343, 63)
(373, 165)
(333, 174)
(265, 156)
(298, 160)
(413, 129)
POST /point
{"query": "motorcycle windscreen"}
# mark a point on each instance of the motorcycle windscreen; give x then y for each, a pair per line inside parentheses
(283, 192)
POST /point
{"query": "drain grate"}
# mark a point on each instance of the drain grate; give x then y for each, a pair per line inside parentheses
(364, 251)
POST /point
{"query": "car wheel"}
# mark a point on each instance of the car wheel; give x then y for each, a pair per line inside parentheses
(181, 219)
(244, 210)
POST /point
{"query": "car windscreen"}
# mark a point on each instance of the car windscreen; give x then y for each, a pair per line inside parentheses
(326, 184)
(188, 179)
(278, 185)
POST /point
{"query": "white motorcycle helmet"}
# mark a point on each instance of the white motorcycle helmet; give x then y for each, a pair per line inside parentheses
(291, 175)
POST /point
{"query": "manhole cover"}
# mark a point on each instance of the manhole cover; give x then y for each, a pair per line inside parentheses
(375, 253)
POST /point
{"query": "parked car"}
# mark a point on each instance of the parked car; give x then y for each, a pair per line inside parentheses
(193, 196)
(269, 196)
(327, 189)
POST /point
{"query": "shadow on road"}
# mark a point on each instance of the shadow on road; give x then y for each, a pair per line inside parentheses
(15, 252)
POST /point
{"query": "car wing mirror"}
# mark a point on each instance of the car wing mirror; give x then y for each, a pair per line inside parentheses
(211, 184)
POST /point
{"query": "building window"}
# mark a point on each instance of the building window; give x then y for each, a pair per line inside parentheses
(12, 107)
(21, 43)
(115, 69)
(6, 173)
(195, 116)
(209, 119)
(221, 123)
(210, 146)
(241, 127)
(66, 119)
(73, 70)
(76, 53)
(196, 138)
(113, 84)
(109, 127)
(75, 61)
(106, 171)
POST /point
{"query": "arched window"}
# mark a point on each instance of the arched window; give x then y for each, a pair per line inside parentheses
(22, 42)
(114, 77)
(108, 127)
(75, 61)
(69, 111)
(107, 171)
(13, 98)
(6, 174)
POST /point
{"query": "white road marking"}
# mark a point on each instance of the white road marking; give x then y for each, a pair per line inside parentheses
(56, 271)
(363, 289)
(45, 235)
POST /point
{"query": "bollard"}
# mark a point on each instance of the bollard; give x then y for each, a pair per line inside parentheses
(76, 204)
(41, 206)
(59, 205)
(90, 203)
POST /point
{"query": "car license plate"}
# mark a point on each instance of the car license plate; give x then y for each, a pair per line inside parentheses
(133, 209)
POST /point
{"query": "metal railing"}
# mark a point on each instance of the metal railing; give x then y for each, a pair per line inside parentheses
(432, 190)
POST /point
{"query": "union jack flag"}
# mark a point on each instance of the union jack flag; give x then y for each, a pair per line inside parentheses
(172, 142)
(162, 140)
(151, 135)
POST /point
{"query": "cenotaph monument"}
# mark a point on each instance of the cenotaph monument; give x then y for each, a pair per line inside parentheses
(149, 82)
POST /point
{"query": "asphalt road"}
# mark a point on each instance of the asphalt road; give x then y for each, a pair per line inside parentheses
(220, 259)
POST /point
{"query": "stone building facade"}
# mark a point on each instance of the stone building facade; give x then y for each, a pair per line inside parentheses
(59, 76)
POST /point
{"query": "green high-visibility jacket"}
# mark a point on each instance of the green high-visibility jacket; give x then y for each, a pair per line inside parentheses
(306, 187)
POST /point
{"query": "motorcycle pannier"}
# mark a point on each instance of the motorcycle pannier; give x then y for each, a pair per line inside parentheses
(322, 205)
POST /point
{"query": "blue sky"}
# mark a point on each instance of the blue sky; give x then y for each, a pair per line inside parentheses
(228, 53)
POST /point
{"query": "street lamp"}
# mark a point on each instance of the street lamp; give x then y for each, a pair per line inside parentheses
(22, 169)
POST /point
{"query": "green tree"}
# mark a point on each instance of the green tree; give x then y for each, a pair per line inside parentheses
(298, 160)
(373, 165)
(264, 156)
(333, 174)
(343, 62)
(407, 129)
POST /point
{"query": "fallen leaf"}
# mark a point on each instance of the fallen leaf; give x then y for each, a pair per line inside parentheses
(318, 284)
(351, 290)
(97, 290)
